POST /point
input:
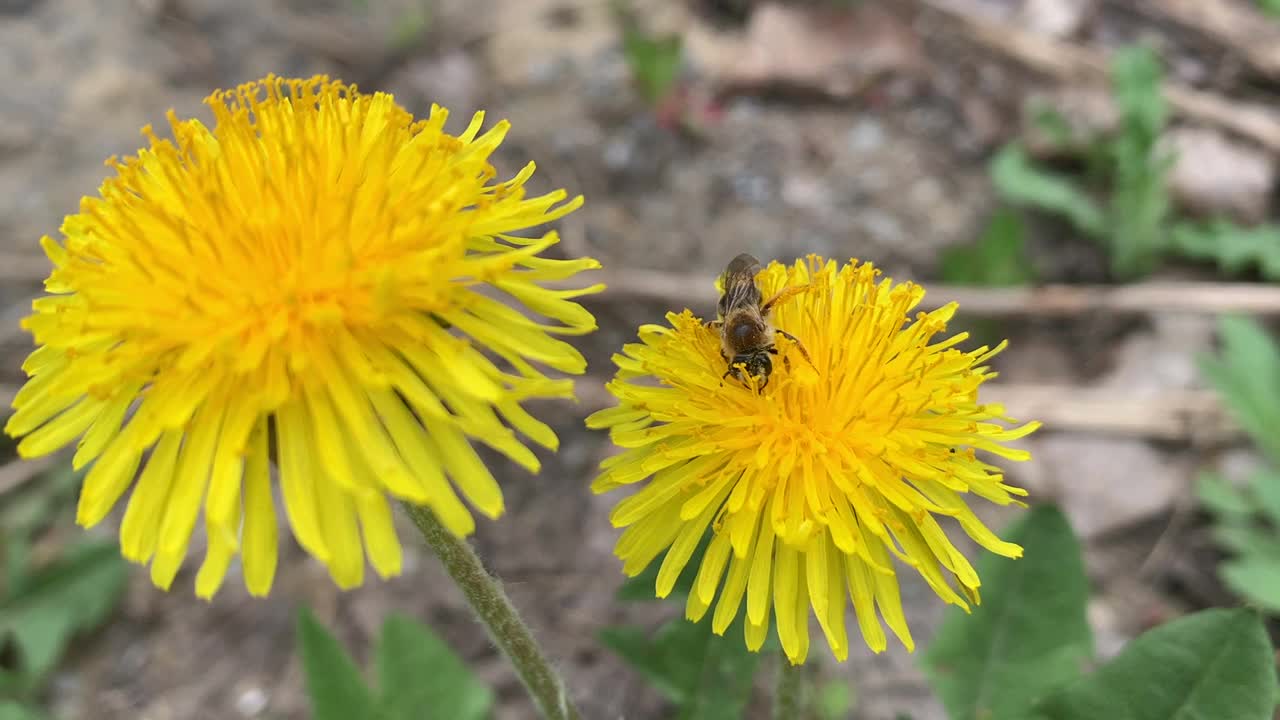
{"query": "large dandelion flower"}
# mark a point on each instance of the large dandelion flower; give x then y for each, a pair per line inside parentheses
(318, 279)
(812, 485)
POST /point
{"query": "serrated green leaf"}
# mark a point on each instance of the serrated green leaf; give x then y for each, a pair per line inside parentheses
(1019, 181)
(1247, 376)
(73, 594)
(1247, 538)
(1214, 664)
(417, 670)
(1221, 498)
(997, 259)
(1027, 637)
(707, 676)
(1140, 206)
(1235, 249)
(41, 635)
(1254, 577)
(334, 684)
(1136, 75)
(1265, 487)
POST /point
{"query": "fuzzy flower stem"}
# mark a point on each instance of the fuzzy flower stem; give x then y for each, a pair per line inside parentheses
(788, 698)
(498, 616)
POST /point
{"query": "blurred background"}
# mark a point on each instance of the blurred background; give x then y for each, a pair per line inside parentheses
(1093, 179)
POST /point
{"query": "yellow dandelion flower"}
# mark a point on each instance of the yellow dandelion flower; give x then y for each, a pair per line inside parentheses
(318, 279)
(811, 486)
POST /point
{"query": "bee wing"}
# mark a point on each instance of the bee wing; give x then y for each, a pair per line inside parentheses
(739, 284)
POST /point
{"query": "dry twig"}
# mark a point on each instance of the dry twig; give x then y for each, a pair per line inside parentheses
(1185, 416)
(1236, 26)
(697, 292)
(1067, 62)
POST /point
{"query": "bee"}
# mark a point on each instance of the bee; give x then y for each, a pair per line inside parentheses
(746, 335)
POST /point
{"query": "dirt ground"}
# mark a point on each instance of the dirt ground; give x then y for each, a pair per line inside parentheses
(796, 145)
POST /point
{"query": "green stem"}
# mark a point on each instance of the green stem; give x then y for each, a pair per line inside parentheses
(498, 616)
(788, 700)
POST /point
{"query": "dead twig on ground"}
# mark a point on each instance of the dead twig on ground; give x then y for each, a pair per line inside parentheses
(1186, 416)
(1235, 26)
(1195, 417)
(1067, 62)
(679, 290)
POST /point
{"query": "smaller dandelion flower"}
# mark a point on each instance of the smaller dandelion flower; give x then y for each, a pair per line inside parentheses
(317, 278)
(811, 486)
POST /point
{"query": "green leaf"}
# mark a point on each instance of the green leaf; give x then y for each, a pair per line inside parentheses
(1020, 182)
(655, 61)
(1255, 577)
(1135, 80)
(1140, 204)
(73, 594)
(417, 670)
(15, 550)
(1213, 664)
(1247, 376)
(997, 259)
(708, 676)
(1221, 498)
(1234, 248)
(1027, 637)
(334, 684)
(18, 711)
(1265, 485)
(835, 700)
(1247, 538)
(1270, 7)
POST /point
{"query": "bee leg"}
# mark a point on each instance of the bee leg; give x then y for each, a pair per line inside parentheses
(786, 361)
(713, 324)
(799, 345)
(783, 294)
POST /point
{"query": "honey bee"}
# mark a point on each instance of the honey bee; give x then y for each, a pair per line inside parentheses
(746, 335)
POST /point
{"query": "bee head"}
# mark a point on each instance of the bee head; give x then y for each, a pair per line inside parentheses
(756, 363)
